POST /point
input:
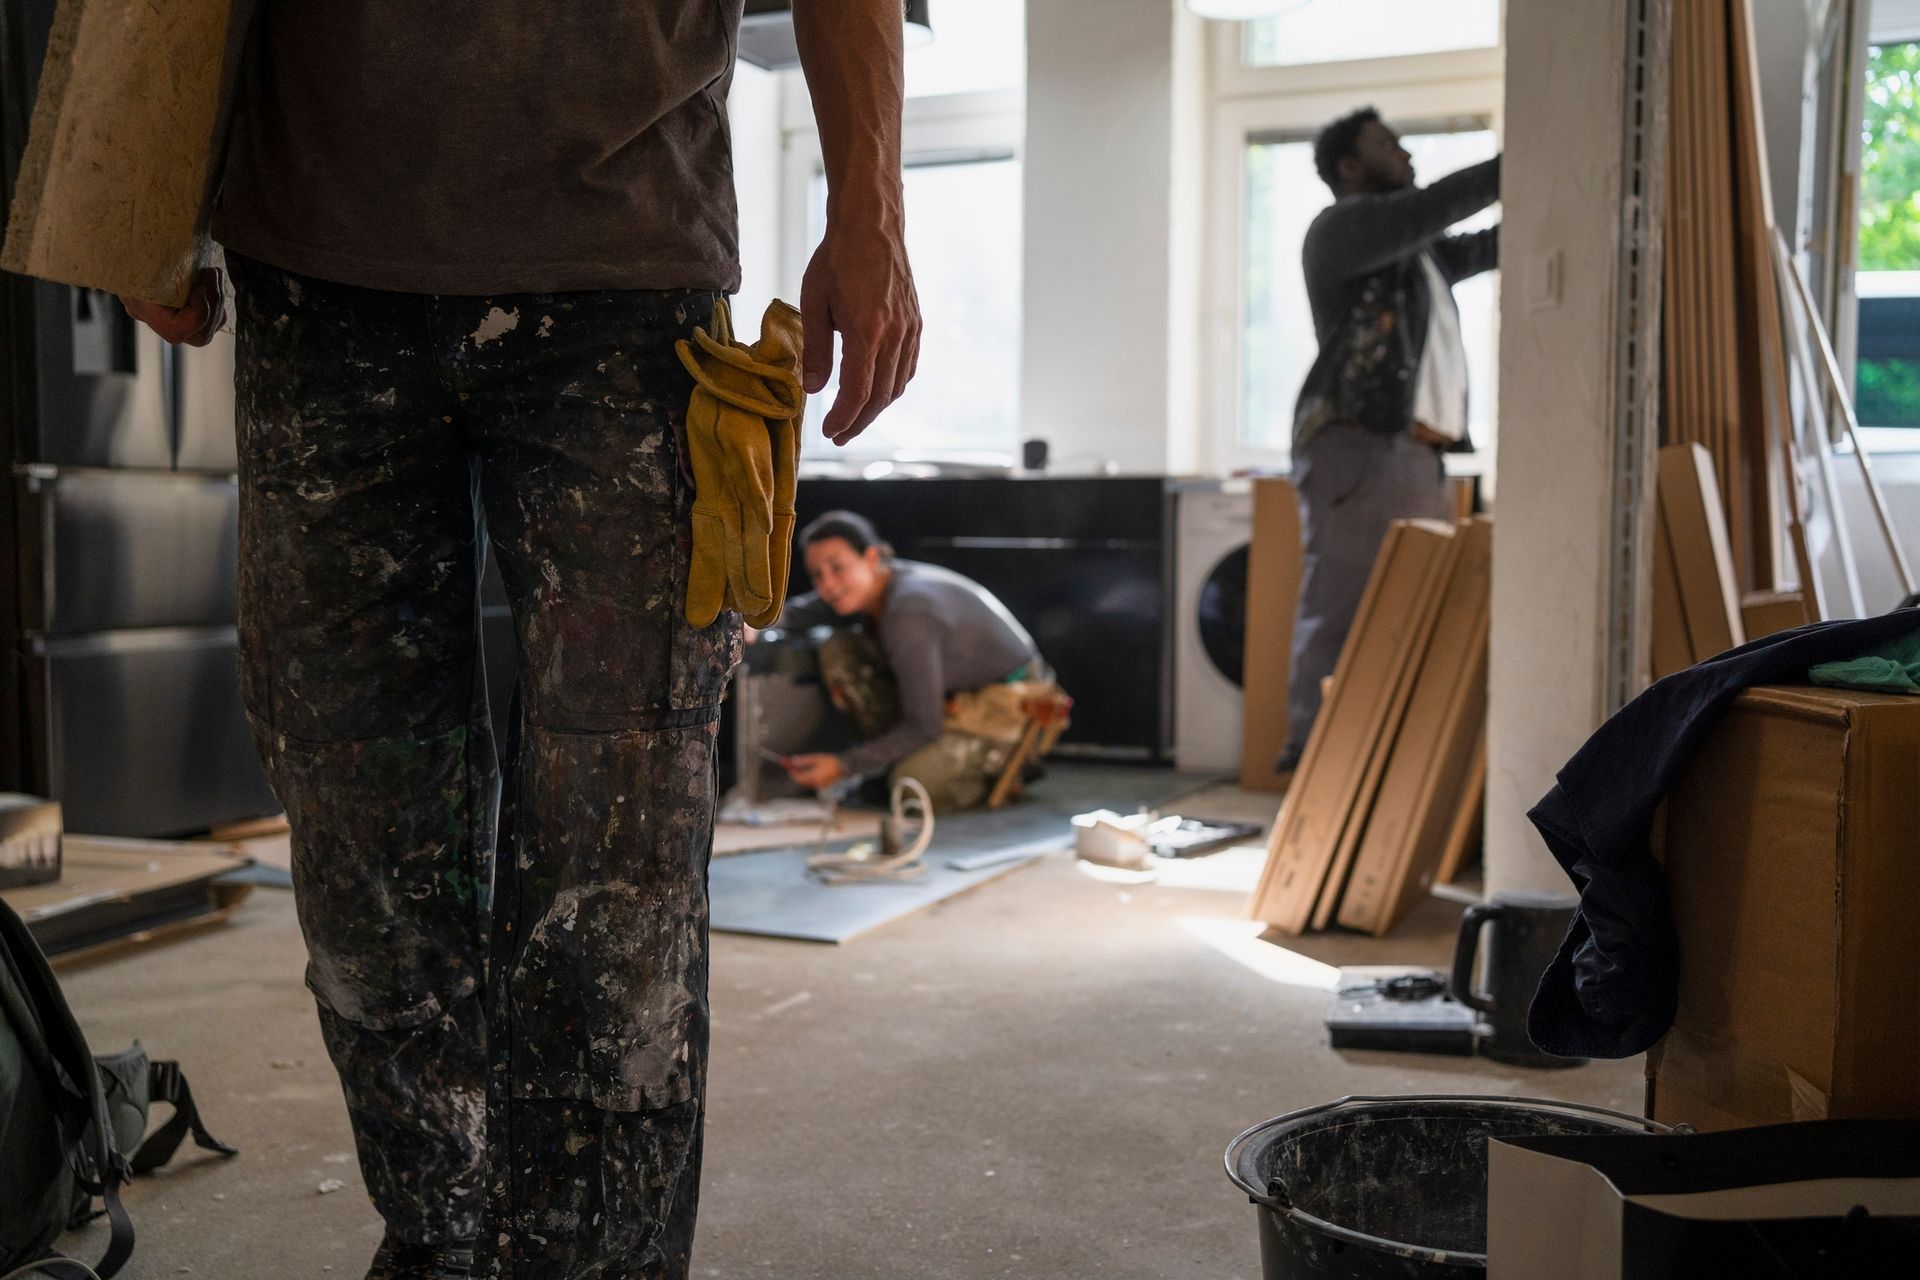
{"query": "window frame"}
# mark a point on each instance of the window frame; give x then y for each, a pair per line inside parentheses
(1251, 104)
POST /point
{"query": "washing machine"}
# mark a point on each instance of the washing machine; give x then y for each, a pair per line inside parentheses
(1213, 527)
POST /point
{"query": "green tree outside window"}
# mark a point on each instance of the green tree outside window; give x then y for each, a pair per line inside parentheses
(1887, 388)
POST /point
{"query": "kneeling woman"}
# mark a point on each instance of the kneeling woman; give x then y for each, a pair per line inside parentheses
(932, 677)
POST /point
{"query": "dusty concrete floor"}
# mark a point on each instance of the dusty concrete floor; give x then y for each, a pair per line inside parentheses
(1037, 1079)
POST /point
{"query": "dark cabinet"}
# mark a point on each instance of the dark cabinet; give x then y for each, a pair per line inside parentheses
(1083, 563)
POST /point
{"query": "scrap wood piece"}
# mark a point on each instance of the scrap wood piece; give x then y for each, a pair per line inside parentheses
(1672, 649)
(1273, 594)
(1389, 629)
(1468, 818)
(1419, 794)
(1837, 385)
(125, 145)
(1819, 425)
(1696, 526)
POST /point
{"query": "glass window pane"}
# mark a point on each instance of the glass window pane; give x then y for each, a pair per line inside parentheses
(1346, 30)
(963, 238)
(1887, 390)
(977, 45)
(1284, 194)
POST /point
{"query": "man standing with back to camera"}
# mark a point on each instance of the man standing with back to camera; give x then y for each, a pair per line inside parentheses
(465, 238)
(1388, 392)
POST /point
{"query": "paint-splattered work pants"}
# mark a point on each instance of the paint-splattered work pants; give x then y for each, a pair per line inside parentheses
(528, 1069)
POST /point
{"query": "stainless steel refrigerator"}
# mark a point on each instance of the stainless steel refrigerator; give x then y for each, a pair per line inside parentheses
(120, 695)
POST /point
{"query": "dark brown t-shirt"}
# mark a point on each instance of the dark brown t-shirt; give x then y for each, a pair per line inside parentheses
(488, 146)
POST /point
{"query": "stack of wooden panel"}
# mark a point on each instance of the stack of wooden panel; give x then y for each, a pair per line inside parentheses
(1725, 357)
(1389, 788)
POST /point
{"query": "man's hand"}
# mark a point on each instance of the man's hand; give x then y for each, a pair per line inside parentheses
(191, 325)
(816, 771)
(859, 285)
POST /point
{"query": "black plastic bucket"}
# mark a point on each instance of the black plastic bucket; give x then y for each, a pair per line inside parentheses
(1389, 1187)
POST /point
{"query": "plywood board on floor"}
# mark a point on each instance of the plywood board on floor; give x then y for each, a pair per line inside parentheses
(1341, 762)
(115, 892)
(1431, 757)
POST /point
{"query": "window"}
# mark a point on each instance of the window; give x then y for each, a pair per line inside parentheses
(1353, 30)
(961, 142)
(978, 45)
(963, 238)
(1887, 282)
(1284, 193)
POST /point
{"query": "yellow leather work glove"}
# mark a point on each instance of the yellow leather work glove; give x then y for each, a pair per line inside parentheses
(743, 434)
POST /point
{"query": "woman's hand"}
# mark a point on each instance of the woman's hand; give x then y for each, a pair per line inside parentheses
(816, 771)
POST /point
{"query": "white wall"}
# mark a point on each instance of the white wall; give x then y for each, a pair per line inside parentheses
(1552, 534)
(1109, 370)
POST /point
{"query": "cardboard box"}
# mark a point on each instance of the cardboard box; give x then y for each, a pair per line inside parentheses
(29, 840)
(1696, 529)
(1317, 829)
(1772, 1201)
(1273, 596)
(124, 152)
(1431, 758)
(1790, 847)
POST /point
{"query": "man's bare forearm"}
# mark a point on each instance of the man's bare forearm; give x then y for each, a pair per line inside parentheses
(850, 52)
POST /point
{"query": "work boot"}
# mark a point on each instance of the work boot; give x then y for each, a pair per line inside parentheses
(399, 1260)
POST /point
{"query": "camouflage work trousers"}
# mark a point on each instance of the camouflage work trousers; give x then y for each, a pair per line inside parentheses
(958, 768)
(521, 1039)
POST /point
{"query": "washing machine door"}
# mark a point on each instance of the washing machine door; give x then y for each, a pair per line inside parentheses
(1222, 609)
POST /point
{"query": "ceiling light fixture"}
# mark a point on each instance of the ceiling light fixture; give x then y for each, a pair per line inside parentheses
(766, 32)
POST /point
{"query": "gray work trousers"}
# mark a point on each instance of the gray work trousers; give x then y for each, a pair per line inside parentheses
(1352, 483)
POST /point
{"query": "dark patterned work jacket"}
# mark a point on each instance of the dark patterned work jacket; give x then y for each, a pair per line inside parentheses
(1370, 295)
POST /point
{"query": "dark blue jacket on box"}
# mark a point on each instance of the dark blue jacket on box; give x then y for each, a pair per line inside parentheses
(1612, 990)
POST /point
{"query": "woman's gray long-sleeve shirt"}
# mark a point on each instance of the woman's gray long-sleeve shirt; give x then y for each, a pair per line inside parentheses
(942, 633)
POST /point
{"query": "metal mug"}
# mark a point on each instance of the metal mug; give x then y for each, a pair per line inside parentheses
(1527, 929)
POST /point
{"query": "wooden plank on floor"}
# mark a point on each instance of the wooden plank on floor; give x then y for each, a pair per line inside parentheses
(1420, 792)
(1395, 612)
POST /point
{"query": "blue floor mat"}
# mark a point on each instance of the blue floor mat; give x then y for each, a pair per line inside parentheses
(771, 893)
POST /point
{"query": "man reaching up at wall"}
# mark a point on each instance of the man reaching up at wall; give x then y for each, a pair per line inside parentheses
(1388, 392)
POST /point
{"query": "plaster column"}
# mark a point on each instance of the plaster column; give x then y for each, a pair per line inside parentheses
(1553, 529)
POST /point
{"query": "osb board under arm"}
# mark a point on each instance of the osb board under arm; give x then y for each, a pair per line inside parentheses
(125, 146)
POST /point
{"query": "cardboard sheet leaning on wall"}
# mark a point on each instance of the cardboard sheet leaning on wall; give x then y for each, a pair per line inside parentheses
(123, 155)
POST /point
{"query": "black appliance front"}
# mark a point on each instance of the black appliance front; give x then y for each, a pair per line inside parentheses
(1081, 562)
(108, 551)
(144, 733)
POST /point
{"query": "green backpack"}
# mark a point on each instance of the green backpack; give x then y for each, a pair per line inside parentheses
(67, 1119)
